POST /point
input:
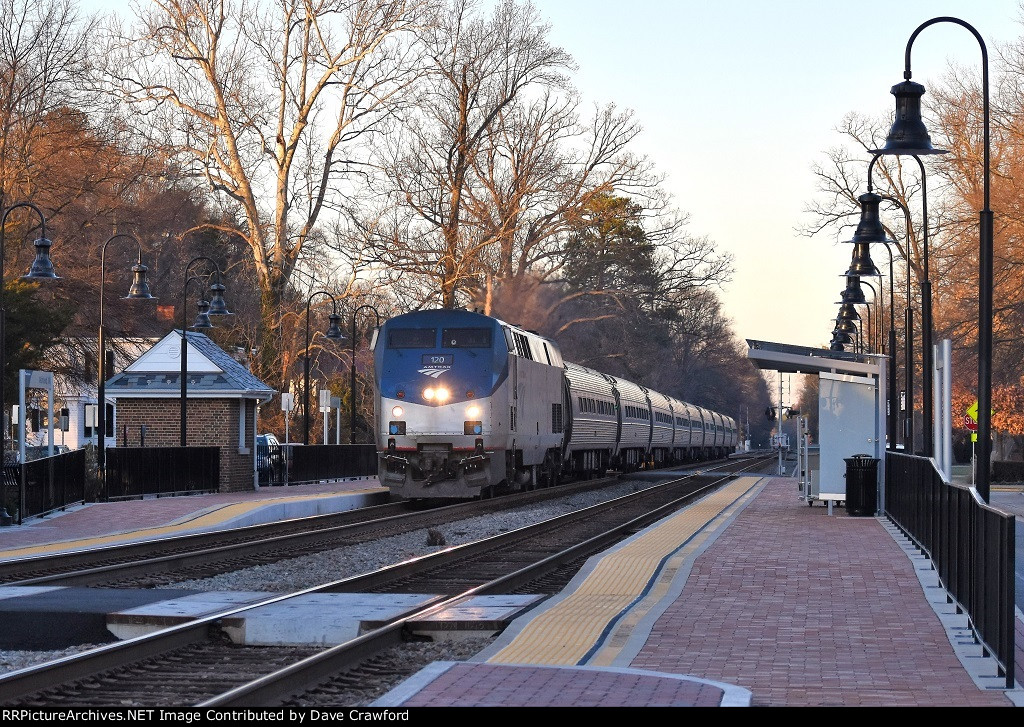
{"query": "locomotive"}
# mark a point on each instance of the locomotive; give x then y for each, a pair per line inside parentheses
(467, 405)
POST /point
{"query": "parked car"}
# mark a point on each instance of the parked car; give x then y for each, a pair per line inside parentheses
(270, 464)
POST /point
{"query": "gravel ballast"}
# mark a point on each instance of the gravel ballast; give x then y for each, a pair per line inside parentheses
(312, 570)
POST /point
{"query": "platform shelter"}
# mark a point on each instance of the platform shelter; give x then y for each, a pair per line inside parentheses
(852, 409)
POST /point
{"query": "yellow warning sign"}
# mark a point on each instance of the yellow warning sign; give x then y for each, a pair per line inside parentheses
(972, 411)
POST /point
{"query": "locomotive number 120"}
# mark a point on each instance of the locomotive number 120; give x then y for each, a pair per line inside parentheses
(438, 360)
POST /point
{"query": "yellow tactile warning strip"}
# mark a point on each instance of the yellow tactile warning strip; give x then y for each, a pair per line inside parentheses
(204, 521)
(623, 587)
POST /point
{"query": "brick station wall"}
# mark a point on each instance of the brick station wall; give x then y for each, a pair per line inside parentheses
(209, 423)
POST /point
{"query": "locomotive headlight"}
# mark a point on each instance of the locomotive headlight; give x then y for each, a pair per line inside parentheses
(438, 394)
(397, 412)
(473, 411)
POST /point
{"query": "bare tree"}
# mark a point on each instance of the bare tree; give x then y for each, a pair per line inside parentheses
(479, 68)
(266, 103)
(843, 178)
(536, 175)
(42, 66)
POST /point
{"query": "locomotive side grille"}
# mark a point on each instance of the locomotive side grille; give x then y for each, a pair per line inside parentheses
(556, 418)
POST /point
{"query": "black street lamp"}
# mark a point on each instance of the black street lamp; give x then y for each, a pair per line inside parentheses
(891, 348)
(214, 307)
(138, 291)
(334, 333)
(869, 230)
(909, 136)
(42, 269)
(908, 325)
(879, 235)
(352, 384)
(845, 329)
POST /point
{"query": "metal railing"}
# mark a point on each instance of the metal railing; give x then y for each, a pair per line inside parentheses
(970, 544)
(51, 484)
(318, 462)
(134, 472)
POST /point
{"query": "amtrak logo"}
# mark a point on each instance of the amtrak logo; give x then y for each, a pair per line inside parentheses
(433, 373)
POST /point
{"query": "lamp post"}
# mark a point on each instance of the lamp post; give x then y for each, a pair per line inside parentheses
(352, 384)
(891, 419)
(907, 133)
(207, 308)
(927, 357)
(846, 325)
(870, 230)
(42, 269)
(845, 331)
(851, 295)
(334, 333)
(873, 324)
(909, 137)
(139, 291)
(908, 432)
(908, 325)
(839, 340)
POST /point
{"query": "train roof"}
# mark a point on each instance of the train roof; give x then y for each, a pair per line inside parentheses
(443, 316)
(457, 316)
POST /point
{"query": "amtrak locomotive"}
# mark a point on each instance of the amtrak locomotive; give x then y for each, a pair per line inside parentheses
(467, 405)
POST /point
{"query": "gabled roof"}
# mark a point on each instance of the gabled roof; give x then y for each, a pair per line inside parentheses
(212, 372)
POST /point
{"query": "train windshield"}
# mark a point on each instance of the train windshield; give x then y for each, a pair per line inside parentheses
(466, 338)
(412, 338)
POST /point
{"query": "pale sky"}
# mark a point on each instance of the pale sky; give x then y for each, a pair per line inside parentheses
(738, 98)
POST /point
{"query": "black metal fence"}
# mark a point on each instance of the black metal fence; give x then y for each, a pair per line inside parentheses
(51, 483)
(315, 462)
(970, 544)
(133, 472)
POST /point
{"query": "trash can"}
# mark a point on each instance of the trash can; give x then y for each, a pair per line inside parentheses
(861, 485)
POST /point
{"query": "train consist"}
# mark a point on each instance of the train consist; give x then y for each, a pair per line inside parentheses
(467, 405)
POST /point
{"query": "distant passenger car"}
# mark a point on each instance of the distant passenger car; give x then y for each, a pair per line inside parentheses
(270, 464)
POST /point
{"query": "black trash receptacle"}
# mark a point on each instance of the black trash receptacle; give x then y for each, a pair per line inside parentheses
(861, 485)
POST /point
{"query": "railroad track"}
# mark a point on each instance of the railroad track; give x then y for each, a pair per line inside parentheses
(195, 663)
(158, 563)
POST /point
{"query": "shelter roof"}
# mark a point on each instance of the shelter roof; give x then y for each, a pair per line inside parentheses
(791, 359)
(212, 372)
